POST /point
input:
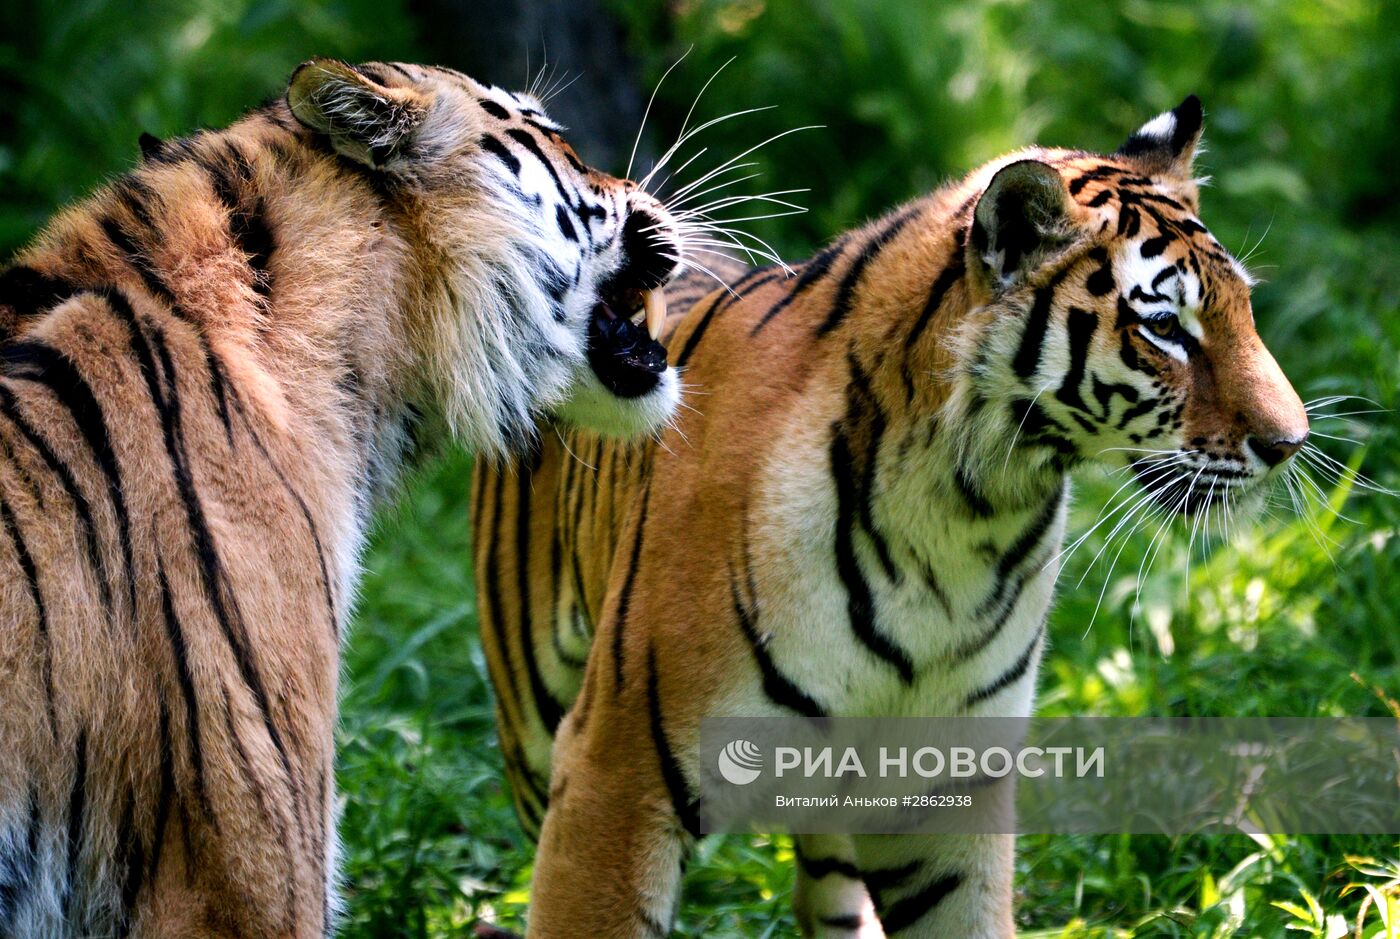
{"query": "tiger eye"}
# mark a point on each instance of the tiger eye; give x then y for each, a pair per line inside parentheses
(1164, 328)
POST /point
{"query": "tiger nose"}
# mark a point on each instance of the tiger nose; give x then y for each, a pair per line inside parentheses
(1274, 452)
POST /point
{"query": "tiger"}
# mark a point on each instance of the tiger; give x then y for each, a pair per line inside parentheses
(211, 371)
(860, 513)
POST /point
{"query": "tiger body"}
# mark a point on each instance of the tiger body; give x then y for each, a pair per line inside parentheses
(860, 514)
(209, 373)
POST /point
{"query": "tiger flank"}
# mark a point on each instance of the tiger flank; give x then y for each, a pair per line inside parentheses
(209, 371)
(861, 515)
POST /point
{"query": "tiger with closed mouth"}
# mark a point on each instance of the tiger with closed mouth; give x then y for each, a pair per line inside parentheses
(861, 516)
(209, 371)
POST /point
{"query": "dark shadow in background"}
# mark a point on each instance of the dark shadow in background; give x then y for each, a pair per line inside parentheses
(581, 46)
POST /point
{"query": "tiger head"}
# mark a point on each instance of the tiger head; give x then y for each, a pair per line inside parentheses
(1118, 328)
(540, 277)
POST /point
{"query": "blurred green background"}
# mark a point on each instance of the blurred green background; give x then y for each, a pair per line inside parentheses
(1296, 617)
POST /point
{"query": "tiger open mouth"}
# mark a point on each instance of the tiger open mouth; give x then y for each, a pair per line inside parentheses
(622, 346)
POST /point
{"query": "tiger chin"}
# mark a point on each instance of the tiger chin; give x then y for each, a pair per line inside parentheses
(208, 370)
(862, 517)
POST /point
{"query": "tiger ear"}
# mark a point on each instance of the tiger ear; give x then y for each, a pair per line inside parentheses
(1021, 219)
(364, 120)
(1166, 145)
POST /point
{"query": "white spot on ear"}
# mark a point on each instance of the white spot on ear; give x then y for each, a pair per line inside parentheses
(1161, 127)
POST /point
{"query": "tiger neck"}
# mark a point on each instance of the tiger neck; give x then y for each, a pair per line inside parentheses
(945, 441)
(336, 280)
(296, 270)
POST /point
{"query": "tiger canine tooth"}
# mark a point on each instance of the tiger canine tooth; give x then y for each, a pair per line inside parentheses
(655, 303)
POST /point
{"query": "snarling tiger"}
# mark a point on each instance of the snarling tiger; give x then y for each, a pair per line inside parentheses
(209, 371)
(859, 515)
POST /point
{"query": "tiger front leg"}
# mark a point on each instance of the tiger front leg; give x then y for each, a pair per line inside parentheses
(610, 851)
(939, 885)
(829, 898)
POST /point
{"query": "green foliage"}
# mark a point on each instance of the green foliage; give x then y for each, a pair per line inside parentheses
(1295, 617)
(80, 80)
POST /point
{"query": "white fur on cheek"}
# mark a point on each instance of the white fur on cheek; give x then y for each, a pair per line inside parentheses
(591, 406)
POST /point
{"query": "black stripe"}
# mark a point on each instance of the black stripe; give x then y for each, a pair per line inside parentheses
(776, 685)
(1008, 582)
(575, 525)
(29, 292)
(556, 575)
(174, 150)
(184, 677)
(137, 197)
(1009, 677)
(812, 272)
(1100, 280)
(818, 867)
(527, 140)
(624, 599)
(36, 362)
(1027, 358)
(36, 594)
(77, 807)
(1080, 325)
(133, 861)
(167, 792)
(845, 292)
(213, 576)
(881, 879)
(721, 301)
(224, 707)
(246, 221)
(566, 224)
(493, 109)
(1006, 595)
(499, 150)
(860, 604)
(137, 258)
(532, 800)
(217, 386)
(1101, 171)
(495, 618)
(1029, 538)
(911, 909)
(952, 273)
(1151, 247)
(548, 708)
(848, 922)
(967, 488)
(686, 808)
(863, 409)
(265, 808)
(1137, 410)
